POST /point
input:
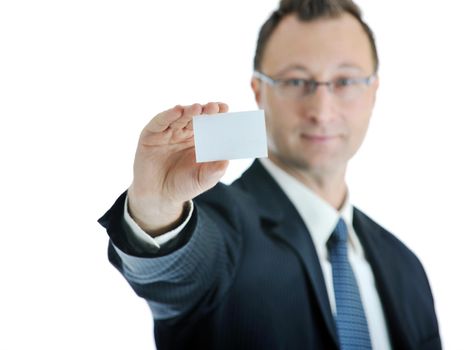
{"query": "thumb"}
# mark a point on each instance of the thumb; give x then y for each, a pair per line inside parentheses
(210, 173)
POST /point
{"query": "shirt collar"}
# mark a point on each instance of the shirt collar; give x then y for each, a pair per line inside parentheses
(319, 216)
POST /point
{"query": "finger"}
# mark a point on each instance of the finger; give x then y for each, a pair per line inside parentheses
(215, 107)
(223, 107)
(163, 120)
(188, 113)
(210, 172)
(189, 125)
(210, 108)
(219, 166)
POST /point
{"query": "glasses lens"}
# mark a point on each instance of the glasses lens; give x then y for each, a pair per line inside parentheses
(348, 89)
(294, 87)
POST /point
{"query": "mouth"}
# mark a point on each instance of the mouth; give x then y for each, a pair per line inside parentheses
(318, 138)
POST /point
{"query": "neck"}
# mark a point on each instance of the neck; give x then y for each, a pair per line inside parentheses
(330, 186)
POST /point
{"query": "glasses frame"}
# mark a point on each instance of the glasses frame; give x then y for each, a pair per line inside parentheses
(311, 85)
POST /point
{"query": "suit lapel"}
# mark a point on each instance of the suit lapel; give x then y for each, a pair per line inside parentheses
(285, 224)
(383, 267)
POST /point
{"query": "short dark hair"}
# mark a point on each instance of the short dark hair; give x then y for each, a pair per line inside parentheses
(309, 10)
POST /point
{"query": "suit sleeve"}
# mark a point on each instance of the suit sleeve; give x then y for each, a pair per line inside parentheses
(189, 273)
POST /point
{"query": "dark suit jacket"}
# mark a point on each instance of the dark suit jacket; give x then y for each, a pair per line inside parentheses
(244, 274)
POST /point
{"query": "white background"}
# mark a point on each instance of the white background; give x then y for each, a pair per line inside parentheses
(78, 81)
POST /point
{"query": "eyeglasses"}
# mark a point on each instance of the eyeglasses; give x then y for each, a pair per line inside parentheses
(345, 89)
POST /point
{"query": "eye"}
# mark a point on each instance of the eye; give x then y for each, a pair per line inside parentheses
(294, 82)
(343, 82)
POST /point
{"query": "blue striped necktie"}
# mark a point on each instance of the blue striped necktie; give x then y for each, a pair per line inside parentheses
(352, 329)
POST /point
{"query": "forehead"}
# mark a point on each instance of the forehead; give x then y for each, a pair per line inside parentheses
(319, 46)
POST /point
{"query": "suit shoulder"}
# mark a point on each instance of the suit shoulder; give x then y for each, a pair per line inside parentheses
(378, 236)
(226, 202)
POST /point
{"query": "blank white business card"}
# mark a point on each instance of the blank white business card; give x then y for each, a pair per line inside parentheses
(227, 136)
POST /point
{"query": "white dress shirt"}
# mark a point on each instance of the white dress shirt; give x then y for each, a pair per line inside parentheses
(320, 219)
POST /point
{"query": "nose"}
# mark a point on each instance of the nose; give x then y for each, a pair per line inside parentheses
(319, 105)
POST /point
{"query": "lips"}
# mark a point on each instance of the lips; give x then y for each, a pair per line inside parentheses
(319, 138)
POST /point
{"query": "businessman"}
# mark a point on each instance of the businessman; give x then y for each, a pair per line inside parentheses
(280, 259)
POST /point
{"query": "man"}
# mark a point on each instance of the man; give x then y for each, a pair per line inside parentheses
(280, 259)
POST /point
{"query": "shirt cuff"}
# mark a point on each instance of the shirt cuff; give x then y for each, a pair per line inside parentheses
(140, 236)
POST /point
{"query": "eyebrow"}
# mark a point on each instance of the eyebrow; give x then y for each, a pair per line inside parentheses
(297, 67)
(292, 68)
(350, 66)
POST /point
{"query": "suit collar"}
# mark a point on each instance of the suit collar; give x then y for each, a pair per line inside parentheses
(319, 217)
(285, 224)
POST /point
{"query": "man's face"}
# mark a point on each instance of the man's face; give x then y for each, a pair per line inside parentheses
(318, 133)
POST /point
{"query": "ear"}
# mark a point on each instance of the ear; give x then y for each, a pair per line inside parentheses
(256, 87)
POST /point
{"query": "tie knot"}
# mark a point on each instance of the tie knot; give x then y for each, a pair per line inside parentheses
(340, 234)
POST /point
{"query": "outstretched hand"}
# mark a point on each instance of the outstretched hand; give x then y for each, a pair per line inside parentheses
(166, 174)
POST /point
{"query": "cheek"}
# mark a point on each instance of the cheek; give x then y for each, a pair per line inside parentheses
(275, 120)
(279, 130)
(273, 129)
(285, 125)
(360, 113)
(359, 124)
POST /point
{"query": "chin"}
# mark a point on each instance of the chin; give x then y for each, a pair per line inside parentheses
(318, 164)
